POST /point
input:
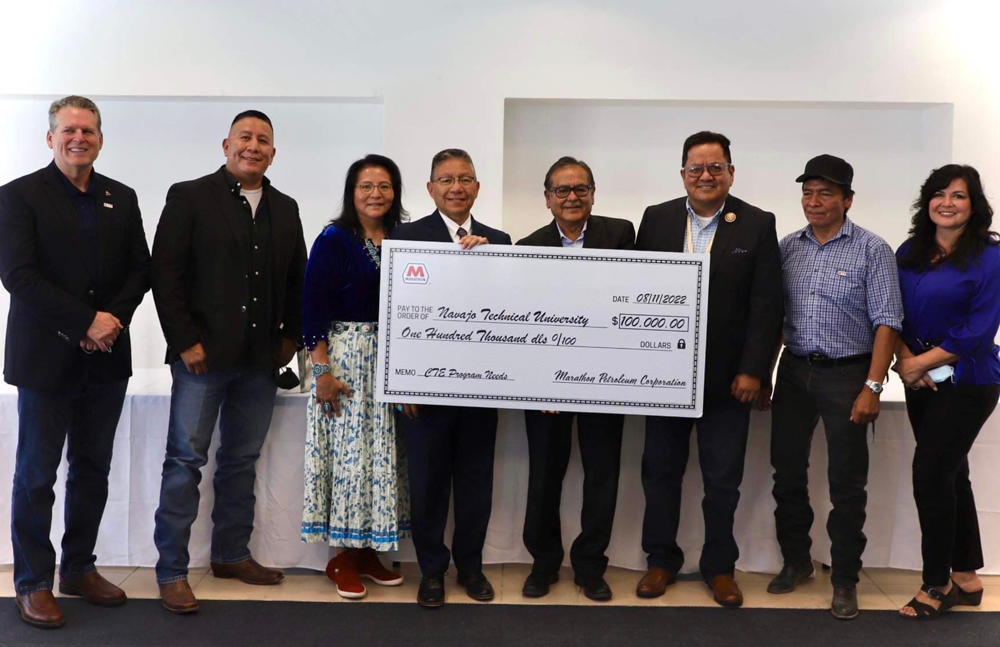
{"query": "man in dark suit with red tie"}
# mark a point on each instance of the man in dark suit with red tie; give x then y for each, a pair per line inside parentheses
(745, 305)
(569, 195)
(74, 258)
(450, 444)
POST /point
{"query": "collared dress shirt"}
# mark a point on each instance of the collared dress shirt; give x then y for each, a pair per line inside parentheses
(256, 222)
(85, 205)
(839, 292)
(453, 227)
(702, 231)
(957, 309)
(566, 242)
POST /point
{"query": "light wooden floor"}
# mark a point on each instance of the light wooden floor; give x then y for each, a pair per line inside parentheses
(879, 589)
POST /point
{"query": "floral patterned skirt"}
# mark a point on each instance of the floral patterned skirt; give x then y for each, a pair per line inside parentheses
(356, 483)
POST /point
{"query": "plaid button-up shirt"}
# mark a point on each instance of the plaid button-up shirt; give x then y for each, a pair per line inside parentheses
(838, 293)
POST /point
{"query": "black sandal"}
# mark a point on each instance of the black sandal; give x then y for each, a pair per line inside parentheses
(967, 598)
(926, 611)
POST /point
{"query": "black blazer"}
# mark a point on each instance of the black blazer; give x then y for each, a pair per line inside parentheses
(432, 229)
(53, 299)
(602, 233)
(200, 256)
(745, 299)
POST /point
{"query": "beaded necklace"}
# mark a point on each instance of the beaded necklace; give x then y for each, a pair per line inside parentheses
(373, 253)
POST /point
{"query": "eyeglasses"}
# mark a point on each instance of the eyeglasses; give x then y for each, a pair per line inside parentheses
(368, 187)
(580, 189)
(448, 182)
(715, 169)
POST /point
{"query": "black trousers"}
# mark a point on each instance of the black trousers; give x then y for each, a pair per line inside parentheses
(550, 439)
(445, 445)
(804, 393)
(945, 424)
(722, 445)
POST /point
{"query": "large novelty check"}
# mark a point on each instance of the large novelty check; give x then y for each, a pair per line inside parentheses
(543, 328)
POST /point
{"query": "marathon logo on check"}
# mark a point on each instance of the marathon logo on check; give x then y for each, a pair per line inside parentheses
(415, 273)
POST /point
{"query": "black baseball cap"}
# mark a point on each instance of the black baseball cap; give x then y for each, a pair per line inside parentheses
(828, 167)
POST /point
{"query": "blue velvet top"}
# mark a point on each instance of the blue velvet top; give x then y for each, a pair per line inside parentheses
(958, 310)
(341, 284)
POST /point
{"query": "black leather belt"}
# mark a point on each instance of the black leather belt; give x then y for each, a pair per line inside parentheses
(820, 358)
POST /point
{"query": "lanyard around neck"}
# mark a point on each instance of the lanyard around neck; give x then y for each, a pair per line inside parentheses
(689, 247)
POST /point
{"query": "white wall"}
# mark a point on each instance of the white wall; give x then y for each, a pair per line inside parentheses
(442, 70)
(152, 143)
(634, 150)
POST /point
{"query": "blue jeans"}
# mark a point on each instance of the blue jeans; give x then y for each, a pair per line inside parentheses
(86, 416)
(242, 400)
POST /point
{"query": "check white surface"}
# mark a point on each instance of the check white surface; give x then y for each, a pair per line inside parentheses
(541, 328)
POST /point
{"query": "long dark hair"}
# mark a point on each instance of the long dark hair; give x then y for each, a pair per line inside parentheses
(923, 249)
(348, 218)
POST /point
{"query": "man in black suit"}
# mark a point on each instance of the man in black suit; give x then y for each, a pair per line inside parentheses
(445, 444)
(569, 195)
(228, 265)
(74, 258)
(744, 322)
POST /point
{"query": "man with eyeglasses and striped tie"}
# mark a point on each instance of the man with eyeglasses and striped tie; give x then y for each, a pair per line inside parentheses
(569, 195)
(745, 306)
(450, 444)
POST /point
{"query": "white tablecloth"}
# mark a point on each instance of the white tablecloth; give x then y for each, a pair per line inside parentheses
(126, 536)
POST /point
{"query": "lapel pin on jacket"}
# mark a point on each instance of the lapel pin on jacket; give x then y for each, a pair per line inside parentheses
(108, 205)
(730, 217)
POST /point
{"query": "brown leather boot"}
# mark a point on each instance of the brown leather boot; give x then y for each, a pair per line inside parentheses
(248, 572)
(93, 588)
(39, 609)
(178, 597)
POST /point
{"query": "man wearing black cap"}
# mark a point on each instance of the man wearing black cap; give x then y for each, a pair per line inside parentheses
(843, 312)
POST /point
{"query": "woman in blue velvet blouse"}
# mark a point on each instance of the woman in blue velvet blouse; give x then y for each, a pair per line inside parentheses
(356, 495)
(949, 275)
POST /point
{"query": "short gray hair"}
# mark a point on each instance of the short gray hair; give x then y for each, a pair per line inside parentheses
(72, 101)
(451, 153)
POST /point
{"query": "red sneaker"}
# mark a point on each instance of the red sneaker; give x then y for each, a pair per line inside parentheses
(370, 568)
(343, 570)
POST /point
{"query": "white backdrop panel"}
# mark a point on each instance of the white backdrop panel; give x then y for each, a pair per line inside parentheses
(634, 149)
(152, 143)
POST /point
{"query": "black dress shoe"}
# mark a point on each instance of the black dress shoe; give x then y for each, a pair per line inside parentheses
(537, 584)
(430, 595)
(790, 577)
(476, 585)
(594, 587)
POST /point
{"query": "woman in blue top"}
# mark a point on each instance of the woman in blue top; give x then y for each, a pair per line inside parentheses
(949, 275)
(356, 495)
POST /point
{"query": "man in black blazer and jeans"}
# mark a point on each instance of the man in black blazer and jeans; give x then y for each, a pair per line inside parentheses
(569, 195)
(745, 305)
(445, 444)
(228, 266)
(73, 256)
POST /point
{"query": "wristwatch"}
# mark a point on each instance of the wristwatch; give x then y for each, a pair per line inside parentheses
(876, 387)
(320, 369)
